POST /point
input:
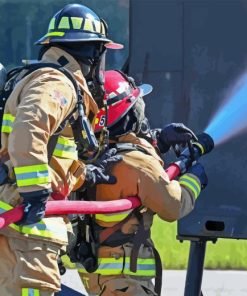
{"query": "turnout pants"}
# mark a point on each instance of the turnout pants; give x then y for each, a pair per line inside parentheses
(28, 267)
(121, 285)
(28, 264)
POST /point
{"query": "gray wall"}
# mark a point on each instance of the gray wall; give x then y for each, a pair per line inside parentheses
(191, 52)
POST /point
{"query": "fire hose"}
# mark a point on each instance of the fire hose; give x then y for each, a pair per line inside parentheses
(186, 158)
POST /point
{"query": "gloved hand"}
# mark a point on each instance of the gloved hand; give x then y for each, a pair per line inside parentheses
(98, 173)
(199, 172)
(3, 173)
(173, 133)
(34, 206)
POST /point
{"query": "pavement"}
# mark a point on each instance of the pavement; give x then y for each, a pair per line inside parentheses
(215, 283)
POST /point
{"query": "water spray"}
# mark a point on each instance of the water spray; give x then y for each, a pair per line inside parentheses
(231, 118)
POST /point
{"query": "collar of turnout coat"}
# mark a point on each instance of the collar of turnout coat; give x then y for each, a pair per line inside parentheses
(134, 139)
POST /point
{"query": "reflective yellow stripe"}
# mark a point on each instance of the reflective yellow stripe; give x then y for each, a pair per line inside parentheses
(7, 123)
(76, 22)
(32, 175)
(52, 24)
(145, 267)
(66, 148)
(9, 117)
(190, 183)
(88, 25)
(45, 228)
(31, 168)
(30, 292)
(102, 29)
(116, 217)
(6, 129)
(64, 23)
(112, 266)
(33, 181)
(107, 266)
(59, 34)
(200, 147)
(97, 25)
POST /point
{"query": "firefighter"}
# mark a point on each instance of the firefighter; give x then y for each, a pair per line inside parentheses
(116, 256)
(39, 158)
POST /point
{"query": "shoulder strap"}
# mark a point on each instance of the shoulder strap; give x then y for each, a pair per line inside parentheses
(33, 67)
(125, 147)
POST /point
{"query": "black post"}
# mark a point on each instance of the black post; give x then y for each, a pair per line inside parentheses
(195, 268)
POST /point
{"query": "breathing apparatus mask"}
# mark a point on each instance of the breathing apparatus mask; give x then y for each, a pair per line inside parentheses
(133, 121)
(96, 76)
(91, 58)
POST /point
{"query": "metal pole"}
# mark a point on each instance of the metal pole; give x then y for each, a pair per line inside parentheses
(195, 268)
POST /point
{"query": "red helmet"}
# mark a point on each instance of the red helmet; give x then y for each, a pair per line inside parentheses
(121, 96)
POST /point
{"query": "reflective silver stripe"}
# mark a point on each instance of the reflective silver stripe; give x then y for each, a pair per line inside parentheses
(190, 183)
(112, 266)
(66, 148)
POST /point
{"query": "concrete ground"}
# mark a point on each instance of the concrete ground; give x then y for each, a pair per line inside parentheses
(215, 283)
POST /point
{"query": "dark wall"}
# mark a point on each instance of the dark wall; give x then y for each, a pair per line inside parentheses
(192, 52)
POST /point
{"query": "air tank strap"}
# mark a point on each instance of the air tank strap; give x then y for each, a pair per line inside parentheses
(125, 147)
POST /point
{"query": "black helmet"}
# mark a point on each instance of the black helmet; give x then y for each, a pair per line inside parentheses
(75, 23)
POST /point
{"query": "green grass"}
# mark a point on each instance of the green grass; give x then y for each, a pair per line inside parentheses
(225, 254)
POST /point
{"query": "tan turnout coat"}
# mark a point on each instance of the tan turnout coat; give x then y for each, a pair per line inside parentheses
(37, 106)
(138, 174)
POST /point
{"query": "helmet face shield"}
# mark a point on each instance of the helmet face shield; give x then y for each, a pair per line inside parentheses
(88, 50)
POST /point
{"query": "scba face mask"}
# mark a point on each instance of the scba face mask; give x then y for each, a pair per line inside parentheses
(91, 58)
(96, 76)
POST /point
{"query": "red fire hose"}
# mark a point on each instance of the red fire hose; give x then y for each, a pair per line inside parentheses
(83, 207)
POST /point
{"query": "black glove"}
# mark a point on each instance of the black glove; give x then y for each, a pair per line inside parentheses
(199, 172)
(173, 133)
(34, 206)
(3, 174)
(98, 173)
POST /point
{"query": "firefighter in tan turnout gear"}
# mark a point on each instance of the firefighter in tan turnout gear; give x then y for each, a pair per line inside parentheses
(39, 156)
(121, 259)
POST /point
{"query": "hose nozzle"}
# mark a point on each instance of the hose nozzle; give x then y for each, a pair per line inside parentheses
(204, 145)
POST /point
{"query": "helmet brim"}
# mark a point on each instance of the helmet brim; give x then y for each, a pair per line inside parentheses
(75, 36)
(113, 45)
(145, 89)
